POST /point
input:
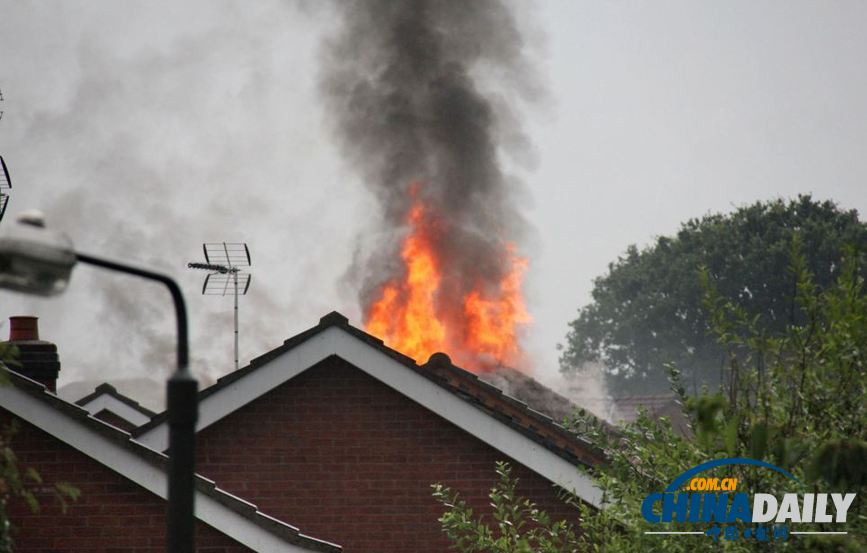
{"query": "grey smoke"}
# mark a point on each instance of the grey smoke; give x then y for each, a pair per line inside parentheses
(143, 130)
(142, 139)
(423, 92)
(556, 395)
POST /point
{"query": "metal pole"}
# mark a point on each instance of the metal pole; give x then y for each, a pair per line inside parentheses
(182, 394)
(235, 275)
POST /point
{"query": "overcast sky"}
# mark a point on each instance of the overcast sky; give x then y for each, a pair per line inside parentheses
(145, 128)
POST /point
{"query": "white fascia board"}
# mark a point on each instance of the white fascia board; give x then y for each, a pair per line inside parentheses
(136, 469)
(335, 341)
(116, 406)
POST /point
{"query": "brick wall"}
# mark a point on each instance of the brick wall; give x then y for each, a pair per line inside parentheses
(341, 455)
(113, 514)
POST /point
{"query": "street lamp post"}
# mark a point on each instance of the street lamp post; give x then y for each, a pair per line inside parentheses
(181, 394)
(36, 261)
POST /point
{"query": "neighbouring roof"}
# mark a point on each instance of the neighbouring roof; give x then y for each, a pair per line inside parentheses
(117, 450)
(525, 434)
(148, 391)
(106, 398)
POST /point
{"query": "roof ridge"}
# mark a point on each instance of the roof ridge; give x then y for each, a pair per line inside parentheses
(440, 361)
(516, 412)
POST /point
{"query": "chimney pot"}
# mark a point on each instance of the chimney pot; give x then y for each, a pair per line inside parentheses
(23, 328)
(439, 360)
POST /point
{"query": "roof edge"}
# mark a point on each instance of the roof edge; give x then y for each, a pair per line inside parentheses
(107, 389)
(118, 438)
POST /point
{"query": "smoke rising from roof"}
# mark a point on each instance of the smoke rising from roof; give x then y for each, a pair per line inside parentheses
(405, 85)
(556, 395)
(178, 124)
(172, 126)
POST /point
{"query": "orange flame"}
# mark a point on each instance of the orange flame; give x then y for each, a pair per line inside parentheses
(479, 331)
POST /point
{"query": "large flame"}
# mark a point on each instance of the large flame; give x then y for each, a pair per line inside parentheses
(479, 331)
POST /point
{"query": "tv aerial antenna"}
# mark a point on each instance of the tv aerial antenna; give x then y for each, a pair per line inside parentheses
(226, 261)
(5, 184)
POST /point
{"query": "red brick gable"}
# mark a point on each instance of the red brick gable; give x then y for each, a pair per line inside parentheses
(461, 397)
(112, 515)
(341, 454)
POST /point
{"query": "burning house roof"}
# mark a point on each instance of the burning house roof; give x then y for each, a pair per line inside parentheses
(527, 435)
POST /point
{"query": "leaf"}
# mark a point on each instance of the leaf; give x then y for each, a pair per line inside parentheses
(32, 474)
(759, 440)
(68, 490)
(730, 436)
(31, 501)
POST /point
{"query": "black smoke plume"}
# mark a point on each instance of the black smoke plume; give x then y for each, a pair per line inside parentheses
(420, 93)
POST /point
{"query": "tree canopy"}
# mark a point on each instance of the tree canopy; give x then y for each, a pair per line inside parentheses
(795, 400)
(647, 311)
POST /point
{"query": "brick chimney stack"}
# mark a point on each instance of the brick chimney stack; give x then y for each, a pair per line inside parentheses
(37, 359)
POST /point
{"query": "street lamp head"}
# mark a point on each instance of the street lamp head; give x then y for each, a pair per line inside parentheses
(34, 259)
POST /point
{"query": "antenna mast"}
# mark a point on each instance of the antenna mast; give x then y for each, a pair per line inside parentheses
(225, 260)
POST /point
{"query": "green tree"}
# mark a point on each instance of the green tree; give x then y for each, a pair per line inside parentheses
(647, 310)
(516, 525)
(795, 398)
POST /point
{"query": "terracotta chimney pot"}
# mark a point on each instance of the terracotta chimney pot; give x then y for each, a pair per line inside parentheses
(23, 328)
